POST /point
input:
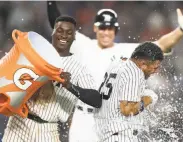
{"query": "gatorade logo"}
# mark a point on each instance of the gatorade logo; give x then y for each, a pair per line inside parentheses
(24, 77)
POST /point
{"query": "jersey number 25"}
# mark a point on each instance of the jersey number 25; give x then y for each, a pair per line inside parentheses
(107, 85)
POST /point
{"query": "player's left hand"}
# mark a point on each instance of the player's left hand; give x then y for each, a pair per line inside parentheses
(67, 77)
(153, 95)
(180, 18)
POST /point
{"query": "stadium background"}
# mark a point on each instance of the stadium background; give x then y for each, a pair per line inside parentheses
(139, 21)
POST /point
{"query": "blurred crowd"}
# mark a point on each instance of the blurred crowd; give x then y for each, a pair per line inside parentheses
(139, 21)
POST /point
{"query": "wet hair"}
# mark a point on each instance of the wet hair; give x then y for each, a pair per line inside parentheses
(66, 19)
(148, 51)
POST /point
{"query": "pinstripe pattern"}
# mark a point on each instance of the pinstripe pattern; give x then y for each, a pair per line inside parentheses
(128, 85)
(97, 60)
(25, 130)
(57, 108)
(125, 136)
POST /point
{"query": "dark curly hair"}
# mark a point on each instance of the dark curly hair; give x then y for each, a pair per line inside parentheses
(66, 18)
(148, 51)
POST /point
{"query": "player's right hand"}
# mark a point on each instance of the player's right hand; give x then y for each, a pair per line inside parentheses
(66, 76)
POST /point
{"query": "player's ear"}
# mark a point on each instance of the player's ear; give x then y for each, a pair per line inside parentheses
(143, 64)
(95, 28)
(54, 30)
(74, 35)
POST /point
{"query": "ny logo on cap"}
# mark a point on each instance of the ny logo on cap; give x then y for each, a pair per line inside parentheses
(107, 17)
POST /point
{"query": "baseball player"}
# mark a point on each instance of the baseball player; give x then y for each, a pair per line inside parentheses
(122, 89)
(54, 101)
(98, 54)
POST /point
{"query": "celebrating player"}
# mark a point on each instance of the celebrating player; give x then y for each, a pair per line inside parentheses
(122, 91)
(54, 102)
(97, 54)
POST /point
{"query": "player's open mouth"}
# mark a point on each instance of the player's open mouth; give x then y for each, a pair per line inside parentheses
(63, 41)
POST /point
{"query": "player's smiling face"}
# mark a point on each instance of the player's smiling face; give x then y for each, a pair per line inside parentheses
(105, 36)
(63, 35)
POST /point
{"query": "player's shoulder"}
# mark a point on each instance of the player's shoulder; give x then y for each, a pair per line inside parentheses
(115, 66)
(80, 64)
(84, 39)
(71, 62)
(77, 60)
(124, 49)
(125, 44)
(130, 69)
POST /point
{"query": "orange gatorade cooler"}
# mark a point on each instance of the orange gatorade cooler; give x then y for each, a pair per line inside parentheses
(30, 63)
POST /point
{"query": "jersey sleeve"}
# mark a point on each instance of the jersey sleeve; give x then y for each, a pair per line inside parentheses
(130, 87)
(80, 44)
(52, 12)
(168, 53)
(85, 79)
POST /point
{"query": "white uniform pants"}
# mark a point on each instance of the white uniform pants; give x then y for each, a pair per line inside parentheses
(26, 130)
(82, 127)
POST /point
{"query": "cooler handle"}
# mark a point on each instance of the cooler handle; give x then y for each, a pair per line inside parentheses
(16, 34)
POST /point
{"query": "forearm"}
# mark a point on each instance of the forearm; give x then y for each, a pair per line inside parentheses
(146, 100)
(89, 96)
(134, 108)
(167, 41)
(70, 120)
(53, 12)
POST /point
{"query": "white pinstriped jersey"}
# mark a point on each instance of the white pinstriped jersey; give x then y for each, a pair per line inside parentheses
(96, 59)
(56, 108)
(60, 107)
(123, 81)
